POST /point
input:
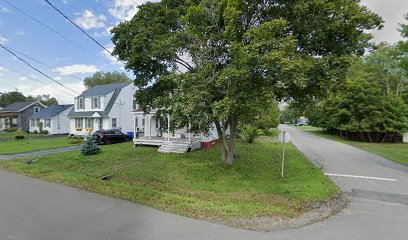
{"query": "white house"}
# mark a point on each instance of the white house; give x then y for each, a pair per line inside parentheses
(103, 107)
(152, 129)
(54, 119)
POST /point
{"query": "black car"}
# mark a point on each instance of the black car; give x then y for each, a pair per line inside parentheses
(110, 136)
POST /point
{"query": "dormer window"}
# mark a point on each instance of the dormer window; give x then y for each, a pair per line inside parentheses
(96, 102)
(80, 103)
(36, 109)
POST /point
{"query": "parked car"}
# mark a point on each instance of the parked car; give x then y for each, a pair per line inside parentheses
(110, 136)
(298, 124)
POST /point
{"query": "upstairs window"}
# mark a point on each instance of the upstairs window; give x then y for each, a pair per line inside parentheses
(135, 104)
(36, 109)
(96, 102)
(80, 103)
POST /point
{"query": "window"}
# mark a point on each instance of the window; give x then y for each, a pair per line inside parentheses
(14, 121)
(79, 123)
(114, 123)
(36, 109)
(89, 122)
(32, 122)
(157, 123)
(143, 122)
(80, 103)
(96, 102)
(48, 123)
(135, 104)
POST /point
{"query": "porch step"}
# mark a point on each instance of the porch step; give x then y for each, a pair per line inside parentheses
(174, 147)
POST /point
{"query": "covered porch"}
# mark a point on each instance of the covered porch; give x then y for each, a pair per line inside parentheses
(155, 131)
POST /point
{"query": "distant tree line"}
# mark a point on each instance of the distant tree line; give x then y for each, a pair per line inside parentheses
(8, 98)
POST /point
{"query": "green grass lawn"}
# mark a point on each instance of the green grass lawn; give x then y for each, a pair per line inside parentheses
(12, 146)
(195, 184)
(397, 152)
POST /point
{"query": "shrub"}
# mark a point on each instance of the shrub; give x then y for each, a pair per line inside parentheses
(19, 137)
(75, 141)
(35, 132)
(249, 132)
(10, 129)
(71, 135)
(45, 132)
(90, 148)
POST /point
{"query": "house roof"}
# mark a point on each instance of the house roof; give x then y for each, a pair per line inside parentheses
(102, 90)
(51, 111)
(104, 113)
(18, 106)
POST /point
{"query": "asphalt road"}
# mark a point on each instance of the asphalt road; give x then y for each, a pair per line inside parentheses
(32, 209)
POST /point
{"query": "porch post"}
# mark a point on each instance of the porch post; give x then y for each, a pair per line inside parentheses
(168, 127)
(134, 127)
(149, 117)
(189, 131)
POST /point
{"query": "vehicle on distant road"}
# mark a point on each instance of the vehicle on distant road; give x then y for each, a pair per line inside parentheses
(298, 124)
(110, 136)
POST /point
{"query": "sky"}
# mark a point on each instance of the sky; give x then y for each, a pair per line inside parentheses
(72, 57)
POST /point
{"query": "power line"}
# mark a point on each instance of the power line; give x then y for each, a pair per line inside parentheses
(36, 69)
(89, 36)
(46, 26)
(40, 62)
(17, 72)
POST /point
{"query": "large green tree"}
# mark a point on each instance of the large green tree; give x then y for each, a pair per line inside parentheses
(218, 61)
(102, 78)
(11, 97)
(364, 108)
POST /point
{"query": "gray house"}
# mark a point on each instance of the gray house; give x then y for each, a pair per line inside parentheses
(17, 115)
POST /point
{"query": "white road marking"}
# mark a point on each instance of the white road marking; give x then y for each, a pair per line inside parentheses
(364, 177)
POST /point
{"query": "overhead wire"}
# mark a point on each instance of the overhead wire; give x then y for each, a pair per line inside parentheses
(82, 30)
(18, 72)
(36, 69)
(41, 62)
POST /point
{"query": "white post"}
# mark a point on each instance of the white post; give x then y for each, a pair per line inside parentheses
(189, 132)
(150, 125)
(134, 127)
(168, 127)
(283, 152)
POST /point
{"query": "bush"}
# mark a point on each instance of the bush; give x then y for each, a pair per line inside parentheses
(249, 132)
(19, 137)
(35, 132)
(75, 141)
(90, 148)
(71, 135)
(45, 132)
(10, 129)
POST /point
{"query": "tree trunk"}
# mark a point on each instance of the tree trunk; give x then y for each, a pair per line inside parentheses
(231, 145)
(222, 140)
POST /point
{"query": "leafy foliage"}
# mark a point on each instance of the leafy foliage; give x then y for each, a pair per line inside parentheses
(362, 105)
(217, 61)
(90, 148)
(11, 97)
(102, 78)
(249, 132)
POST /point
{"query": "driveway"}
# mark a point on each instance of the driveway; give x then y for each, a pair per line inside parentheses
(33, 209)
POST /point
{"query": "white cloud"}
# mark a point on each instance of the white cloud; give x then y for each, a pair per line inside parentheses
(2, 70)
(89, 20)
(3, 40)
(4, 9)
(24, 78)
(64, 96)
(76, 68)
(124, 10)
(112, 59)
